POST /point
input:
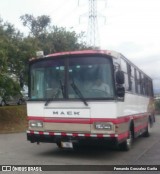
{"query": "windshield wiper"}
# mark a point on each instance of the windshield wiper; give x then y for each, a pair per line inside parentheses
(47, 101)
(78, 92)
(56, 95)
(62, 88)
(75, 88)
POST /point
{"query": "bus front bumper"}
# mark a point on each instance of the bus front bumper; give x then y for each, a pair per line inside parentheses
(83, 138)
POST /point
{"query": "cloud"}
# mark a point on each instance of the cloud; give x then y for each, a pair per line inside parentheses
(132, 26)
(145, 57)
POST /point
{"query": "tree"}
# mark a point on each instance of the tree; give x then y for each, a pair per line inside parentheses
(3, 49)
(10, 58)
(8, 87)
(36, 25)
(17, 49)
(59, 39)
(49, 38)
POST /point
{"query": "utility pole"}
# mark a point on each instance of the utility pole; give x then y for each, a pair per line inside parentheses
(92, 33)
(93, 38)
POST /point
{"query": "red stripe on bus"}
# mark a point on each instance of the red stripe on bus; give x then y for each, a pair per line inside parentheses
(136, 129)
(113, 120)
(119, 120)
(112, 135)
(31, 132)
(51, 133)
(140, 116)
(75, 134)
(100, 135)
(80, 120)
(70, 134)
(107, 52)
(123, 135)
(63, 134)
(68, 120)
(61, 120)
(36, 118)
(87, 135)
(40, 132)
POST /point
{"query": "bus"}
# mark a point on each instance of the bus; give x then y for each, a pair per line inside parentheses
(88, 97)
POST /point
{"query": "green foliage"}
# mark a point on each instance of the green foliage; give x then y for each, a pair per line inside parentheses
(49, 38)
(16, 49)
(37, 25)
(8, 86)
(59, 39)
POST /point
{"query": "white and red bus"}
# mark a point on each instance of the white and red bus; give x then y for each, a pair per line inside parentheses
(88, 97)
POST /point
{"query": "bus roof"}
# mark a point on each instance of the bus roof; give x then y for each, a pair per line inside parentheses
(112, 53)
(80, 52)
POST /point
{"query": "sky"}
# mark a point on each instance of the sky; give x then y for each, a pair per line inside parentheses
(131, 27)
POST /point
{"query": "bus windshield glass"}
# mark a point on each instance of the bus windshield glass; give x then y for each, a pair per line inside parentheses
(87, 77)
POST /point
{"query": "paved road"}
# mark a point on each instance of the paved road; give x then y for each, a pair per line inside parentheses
(16, 150)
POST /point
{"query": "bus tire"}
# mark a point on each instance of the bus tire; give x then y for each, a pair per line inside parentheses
(147, 131)
(127, 144)
(59, 145)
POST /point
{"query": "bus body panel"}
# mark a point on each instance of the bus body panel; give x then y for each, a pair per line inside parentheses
(58, 117)
(94, 120)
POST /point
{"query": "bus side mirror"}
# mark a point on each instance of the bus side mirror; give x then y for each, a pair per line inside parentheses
(120, 91)
(120, 77)
(120, 81)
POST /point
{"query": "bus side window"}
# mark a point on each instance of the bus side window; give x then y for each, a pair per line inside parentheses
(131, 78)
(133, 88)
(142, 84)
(150, 88)
(146, 86)
(125, 70)
(138, 82)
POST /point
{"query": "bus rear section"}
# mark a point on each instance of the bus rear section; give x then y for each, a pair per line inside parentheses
(82, 98)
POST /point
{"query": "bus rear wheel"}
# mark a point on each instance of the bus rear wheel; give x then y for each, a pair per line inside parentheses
(147, 131)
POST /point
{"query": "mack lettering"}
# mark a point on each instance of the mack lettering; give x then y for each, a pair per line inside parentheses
(65, 113)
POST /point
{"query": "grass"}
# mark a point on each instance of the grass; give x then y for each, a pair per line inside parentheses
(13, 119)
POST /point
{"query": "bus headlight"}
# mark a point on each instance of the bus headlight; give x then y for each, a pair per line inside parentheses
(104, 126)
(35, 124)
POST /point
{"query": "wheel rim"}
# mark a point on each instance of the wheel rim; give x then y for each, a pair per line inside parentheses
(129, 139)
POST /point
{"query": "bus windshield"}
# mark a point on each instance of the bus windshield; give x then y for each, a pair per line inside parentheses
(89, 77)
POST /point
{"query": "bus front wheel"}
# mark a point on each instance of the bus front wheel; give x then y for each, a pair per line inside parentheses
(127, 144)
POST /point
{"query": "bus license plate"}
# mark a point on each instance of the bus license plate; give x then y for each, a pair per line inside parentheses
(67, 144)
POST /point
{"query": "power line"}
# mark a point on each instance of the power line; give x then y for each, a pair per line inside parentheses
(59, 7)
(66, 15)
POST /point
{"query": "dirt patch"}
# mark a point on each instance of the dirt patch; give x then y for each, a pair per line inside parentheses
(13, 119)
